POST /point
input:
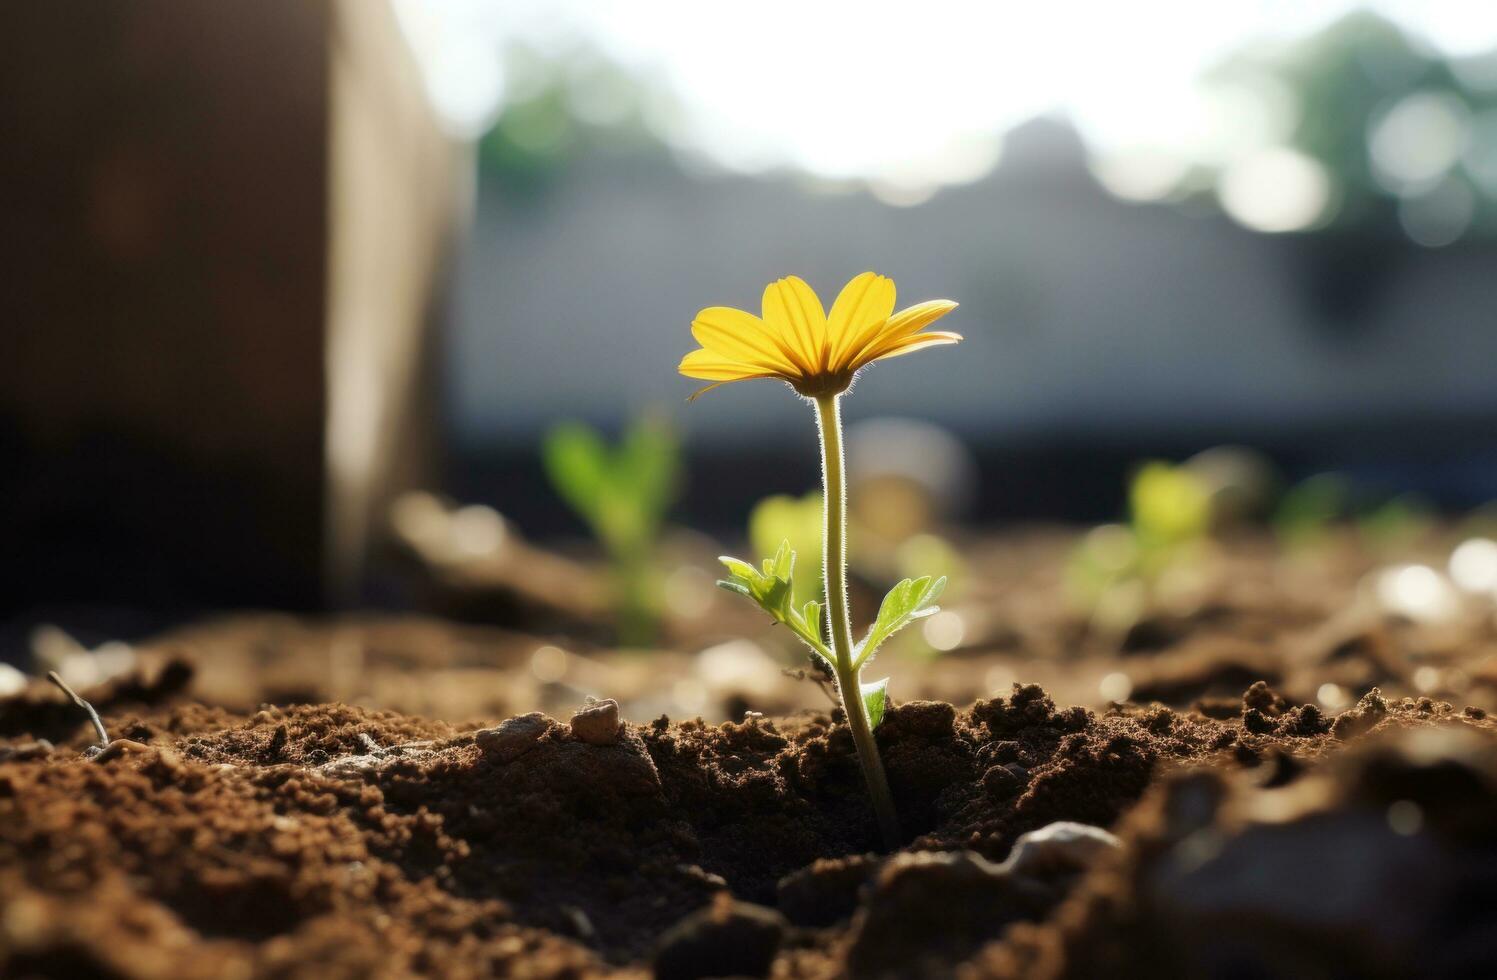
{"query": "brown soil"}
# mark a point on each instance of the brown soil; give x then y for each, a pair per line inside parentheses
(326, 840)
(1268, 822)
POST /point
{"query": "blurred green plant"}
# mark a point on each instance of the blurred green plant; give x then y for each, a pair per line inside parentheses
(1309, 509)
(1116, 570)
(796, 521)
(1396, 525)
(1170, 507)
(623, 493)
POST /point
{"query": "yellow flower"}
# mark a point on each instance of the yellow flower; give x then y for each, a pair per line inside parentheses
(798, 342)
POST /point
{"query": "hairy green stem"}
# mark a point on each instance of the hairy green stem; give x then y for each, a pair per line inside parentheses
(839, 621)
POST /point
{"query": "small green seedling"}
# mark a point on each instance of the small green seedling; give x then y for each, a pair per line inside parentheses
(1117, 568)
(818, 354)
(1307, 510)
(1396, 525)
(623, 493)
(1310, 510)
(772, 587)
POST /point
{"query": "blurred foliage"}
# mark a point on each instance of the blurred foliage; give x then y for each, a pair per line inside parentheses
(1308, 509)
(796, 520)
(623, 493)
(1341, 86)
(560, 106)
(1116, 572)
(1310, 512)
(1169, 506)
(1394, 526)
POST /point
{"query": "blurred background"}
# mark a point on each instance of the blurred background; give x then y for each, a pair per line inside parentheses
(335, 305)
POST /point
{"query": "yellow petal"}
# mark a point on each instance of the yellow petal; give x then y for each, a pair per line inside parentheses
(793, 309)
(740, 336)
(861, 308)
(710, 366)
(912, 343)
(902, 324)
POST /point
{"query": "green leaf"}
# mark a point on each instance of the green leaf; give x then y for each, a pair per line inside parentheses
(875, 699)
(776, 597)
(1169, 504)
(739, 569)
(774, 592)
(784, 562)
(622, 493)
(811, 613)
(733, 586)
(576, 461)
(647, 467)
(908, 601)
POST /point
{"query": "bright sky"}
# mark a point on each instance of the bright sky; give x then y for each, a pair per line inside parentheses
(905, 94)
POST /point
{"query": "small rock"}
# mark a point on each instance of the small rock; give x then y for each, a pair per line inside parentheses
(597, 723)
(39, 749)
(514, 737)
(1062, 847)
(725, 939)
(12, 681)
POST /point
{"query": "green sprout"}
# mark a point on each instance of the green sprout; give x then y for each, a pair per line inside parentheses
(1396, 525)
(1307, 510)
(819, 354)
(772, 587)
(1117, 569)
(1310, 510)
(623, 494)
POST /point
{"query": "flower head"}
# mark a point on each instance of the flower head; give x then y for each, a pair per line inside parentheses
(798, 342)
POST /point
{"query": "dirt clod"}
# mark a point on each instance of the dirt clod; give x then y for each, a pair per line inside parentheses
(725, 939)
(826, 891)
(513, 737)
(322, 840)
(979, 899)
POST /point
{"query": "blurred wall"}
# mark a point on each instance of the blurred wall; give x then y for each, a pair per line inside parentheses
(1085, 316)
(174, 252)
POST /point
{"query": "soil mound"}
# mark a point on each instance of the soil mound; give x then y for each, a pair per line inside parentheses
(327, 840)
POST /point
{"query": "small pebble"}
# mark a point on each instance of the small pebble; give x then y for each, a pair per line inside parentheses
(597, 723)
(1062, 846)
